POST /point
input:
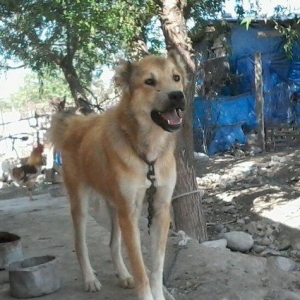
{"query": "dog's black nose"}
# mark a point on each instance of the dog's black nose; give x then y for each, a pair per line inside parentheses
(177, 99)
(176, 95)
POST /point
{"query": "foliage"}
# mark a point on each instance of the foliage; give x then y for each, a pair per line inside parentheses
(79, 37)
(75, 36)
(291, 34)
(282, 19)
(40, 33)
(32, 94)
(198, 10)
(247, 22)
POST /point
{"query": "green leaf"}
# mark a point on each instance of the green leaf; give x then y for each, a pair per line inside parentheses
(246, 22)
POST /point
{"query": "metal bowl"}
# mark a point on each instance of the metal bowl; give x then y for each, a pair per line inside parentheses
(10, 248)
(34, 277)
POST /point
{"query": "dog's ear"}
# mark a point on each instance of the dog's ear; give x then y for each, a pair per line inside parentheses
(179, 62)
(123, 74)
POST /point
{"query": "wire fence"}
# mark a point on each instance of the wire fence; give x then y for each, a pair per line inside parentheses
(18, 135)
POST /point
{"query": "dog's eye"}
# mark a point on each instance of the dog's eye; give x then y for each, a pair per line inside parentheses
(150, 81)
(176, 77)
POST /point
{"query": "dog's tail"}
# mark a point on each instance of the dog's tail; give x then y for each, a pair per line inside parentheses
(67, 130)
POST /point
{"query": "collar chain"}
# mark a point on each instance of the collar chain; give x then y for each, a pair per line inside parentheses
(150, 192)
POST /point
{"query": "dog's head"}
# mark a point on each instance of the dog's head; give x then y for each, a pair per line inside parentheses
(153, 88)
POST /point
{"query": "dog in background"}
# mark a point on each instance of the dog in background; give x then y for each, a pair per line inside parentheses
(27, 173)
(110, 155)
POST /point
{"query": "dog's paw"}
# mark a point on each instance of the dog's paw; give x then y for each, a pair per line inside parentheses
(127, 282)
(92, 285)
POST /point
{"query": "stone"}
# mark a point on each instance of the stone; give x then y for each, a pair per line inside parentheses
(269, 230)
(276, 226)
(199, 156)
(255, 150)
(296, 244)
(266, 241)
(262, 171)
(238, 240)
(209, 212)
(228, 208)
(247, 220)
(239, 153)
(221, 243)
(295, 253)
(270, 174)
(284, 263)
(283, 244)
(251, 228)
(208, 200)
(233, 211)
(222, 186)
(220, 228)
(240, 221)
(275, 158)
(258, 248)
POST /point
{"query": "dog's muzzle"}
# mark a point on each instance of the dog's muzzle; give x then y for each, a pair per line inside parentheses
(170, 118)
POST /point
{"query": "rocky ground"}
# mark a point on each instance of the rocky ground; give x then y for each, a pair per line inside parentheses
(258, 195)
(252, 208)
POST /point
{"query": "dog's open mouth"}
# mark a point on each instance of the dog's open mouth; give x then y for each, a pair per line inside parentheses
(169, 120)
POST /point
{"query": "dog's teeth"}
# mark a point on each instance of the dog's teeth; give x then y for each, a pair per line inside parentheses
(169, 122)
(179, 112)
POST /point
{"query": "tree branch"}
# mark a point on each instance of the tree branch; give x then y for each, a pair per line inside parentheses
(11, 68)
(72, 43)
(42, 47)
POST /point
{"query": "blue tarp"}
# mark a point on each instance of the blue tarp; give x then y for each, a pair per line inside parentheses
(224, 120)
(276, 68)
(225, 111)
(294, 72)
(245, 42)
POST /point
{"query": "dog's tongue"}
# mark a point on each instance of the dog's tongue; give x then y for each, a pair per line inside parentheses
(172, 117)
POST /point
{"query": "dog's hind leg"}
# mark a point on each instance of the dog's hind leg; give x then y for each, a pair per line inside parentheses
(79, 211)
(126, 280)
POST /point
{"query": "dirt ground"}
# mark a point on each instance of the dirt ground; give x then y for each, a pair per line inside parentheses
(261, 188)
(255, 194)
(258, 195)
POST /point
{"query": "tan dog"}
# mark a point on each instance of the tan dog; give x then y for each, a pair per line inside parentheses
(110, 154)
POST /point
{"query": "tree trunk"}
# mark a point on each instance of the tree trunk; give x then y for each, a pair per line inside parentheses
(259, 101)
(77, 89)
(73, 82)
(188, 212)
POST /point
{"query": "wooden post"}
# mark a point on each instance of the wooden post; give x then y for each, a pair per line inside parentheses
(37, 129)
(259, 100)
(4, 129)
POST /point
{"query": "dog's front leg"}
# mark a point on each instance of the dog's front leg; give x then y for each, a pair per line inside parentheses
(128, 219)
(159, 234)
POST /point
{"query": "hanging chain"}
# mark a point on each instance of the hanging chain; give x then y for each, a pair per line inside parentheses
(150, 193)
